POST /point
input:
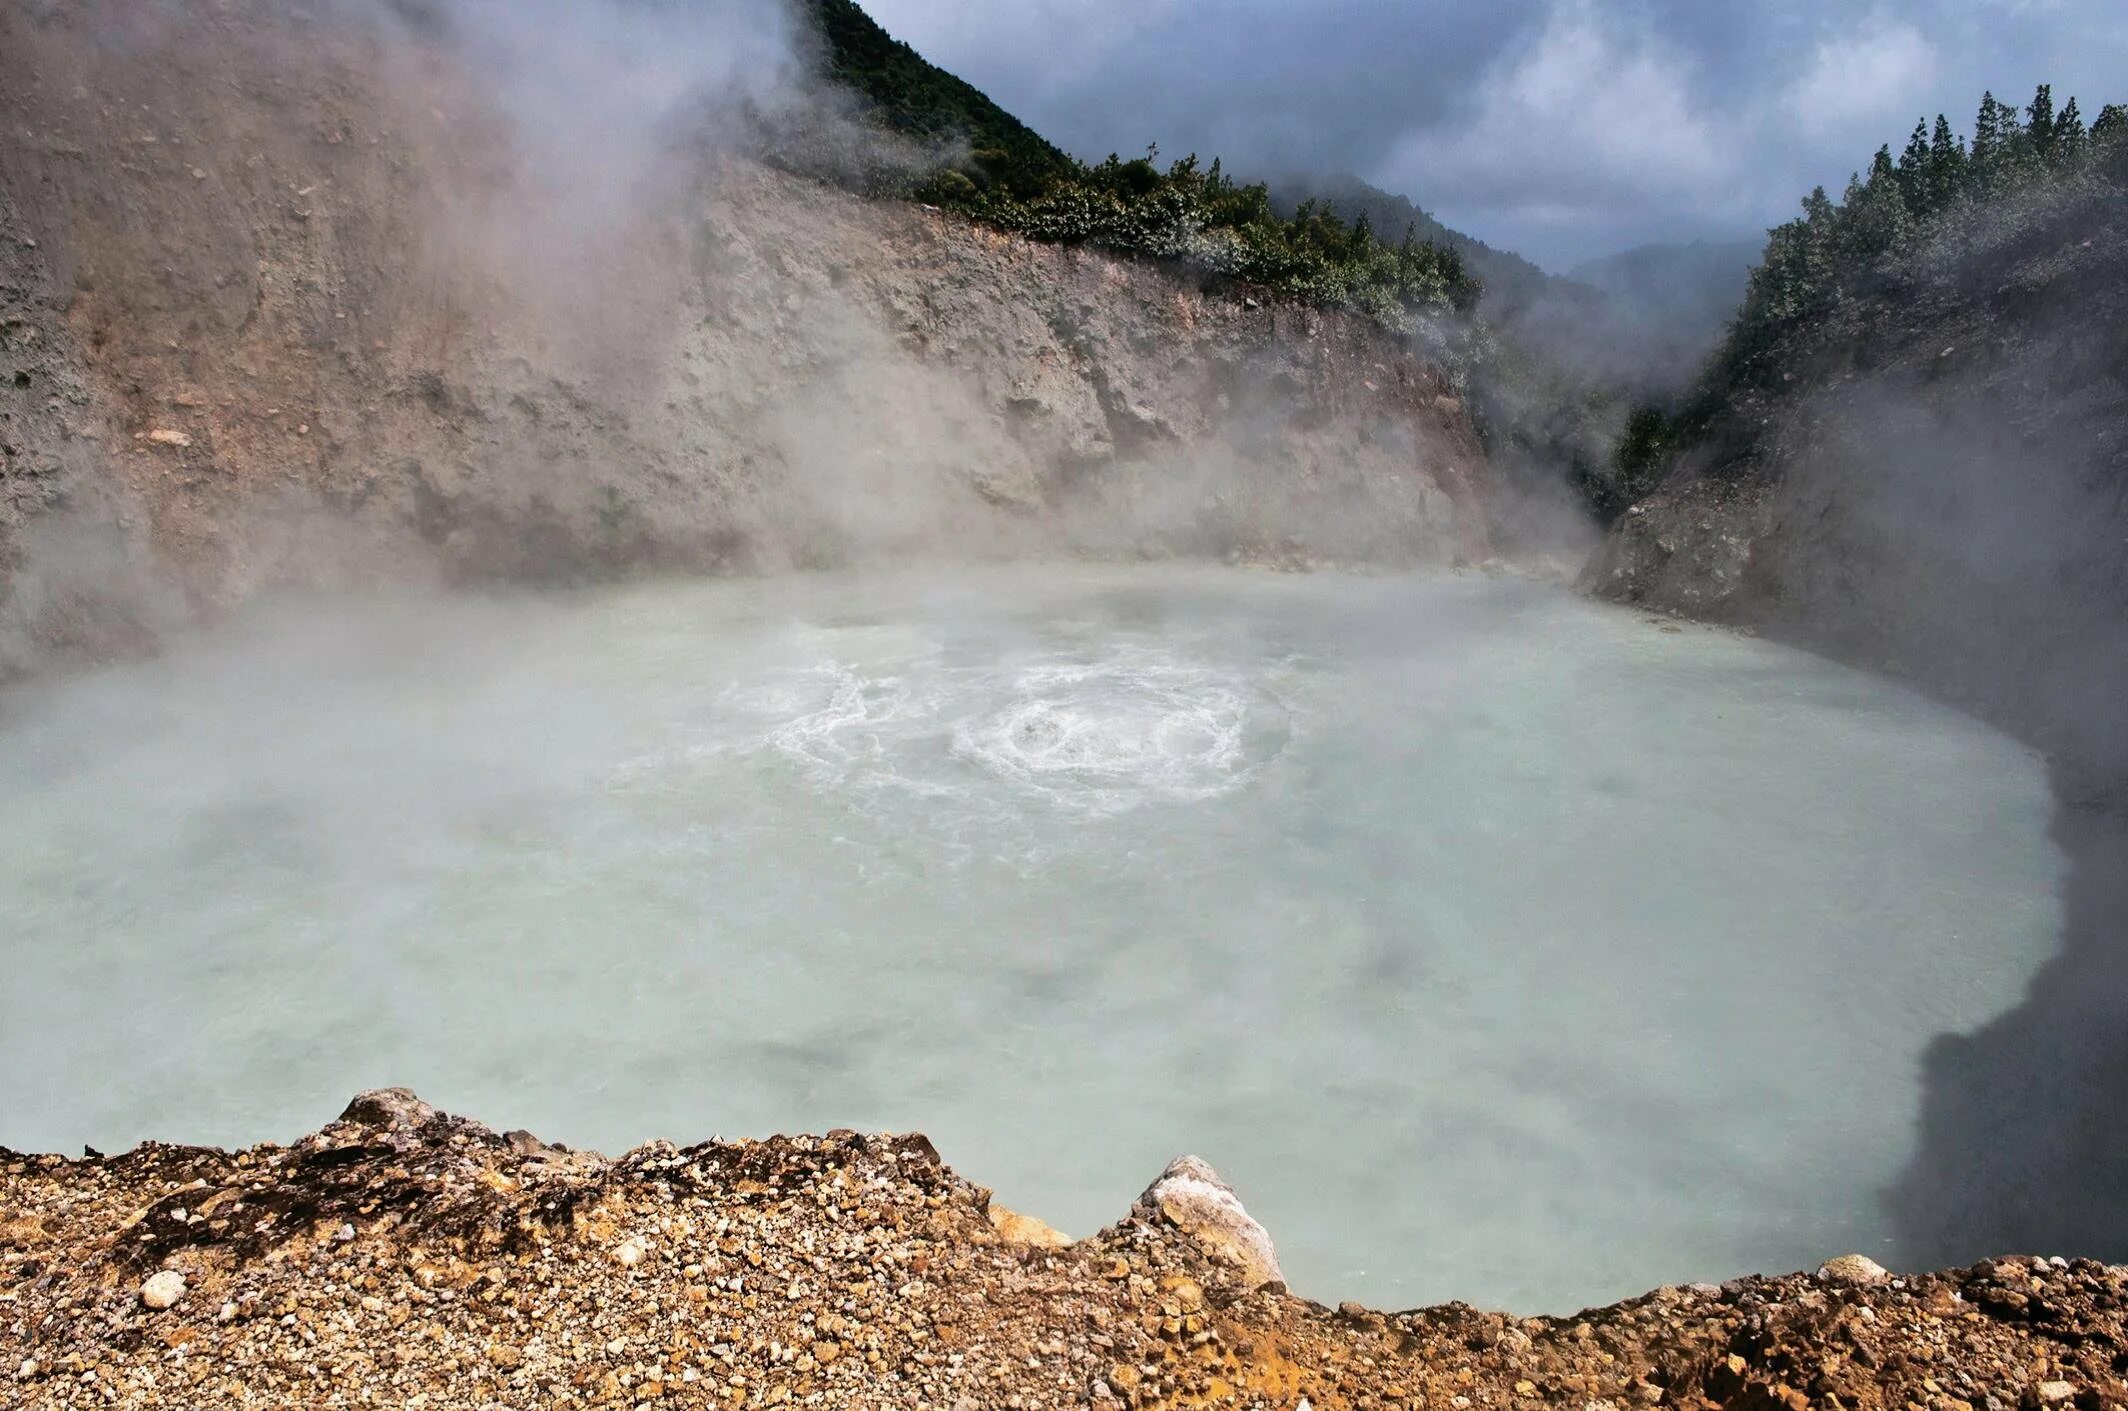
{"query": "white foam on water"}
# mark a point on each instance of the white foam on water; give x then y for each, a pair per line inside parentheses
(1134, 728)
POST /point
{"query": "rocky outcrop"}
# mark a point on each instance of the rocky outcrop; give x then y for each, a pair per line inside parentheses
(304, 295)
(405, 1257)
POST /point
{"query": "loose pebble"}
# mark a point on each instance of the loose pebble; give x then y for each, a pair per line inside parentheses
(163, 1289)
(404, 1257)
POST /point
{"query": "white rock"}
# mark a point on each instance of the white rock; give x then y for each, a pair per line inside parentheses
(2054, 1393)
(1191, 1196)
(162, 1289)
(1853, 1269)
(630, 1253)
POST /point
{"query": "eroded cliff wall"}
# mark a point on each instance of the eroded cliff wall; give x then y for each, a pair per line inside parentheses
(311, 293)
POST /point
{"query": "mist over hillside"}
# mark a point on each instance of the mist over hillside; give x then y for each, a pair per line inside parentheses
(668, 566)
(1679, 297)
(446, 300)
(1699, 283)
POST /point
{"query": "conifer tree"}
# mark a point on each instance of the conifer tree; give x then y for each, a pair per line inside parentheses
(1947, 163)
(2014, 151)
(1988, 136)
(1914, 165)
(1876, 218)
(2070, 139)
(1881, 172)
(2041, 116)
(2110, 125)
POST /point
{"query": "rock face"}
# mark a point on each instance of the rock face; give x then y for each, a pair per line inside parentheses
(402, 1256)
(300, 296)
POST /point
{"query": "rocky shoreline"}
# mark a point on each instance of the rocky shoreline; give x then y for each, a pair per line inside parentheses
(403, 1257)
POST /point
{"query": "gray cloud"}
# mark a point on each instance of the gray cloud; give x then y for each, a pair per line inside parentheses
(1560, 128)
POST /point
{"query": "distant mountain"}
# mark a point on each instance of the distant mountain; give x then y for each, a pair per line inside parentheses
(1694, 288)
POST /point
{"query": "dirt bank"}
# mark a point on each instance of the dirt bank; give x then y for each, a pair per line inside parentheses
(292, 293)
(407, 1258)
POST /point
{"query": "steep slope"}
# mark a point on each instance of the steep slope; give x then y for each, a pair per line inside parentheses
(907, 93)
(301, 294)
(1939, 483)
(1931, 477)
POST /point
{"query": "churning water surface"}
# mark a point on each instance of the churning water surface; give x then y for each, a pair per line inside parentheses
(1495, 944)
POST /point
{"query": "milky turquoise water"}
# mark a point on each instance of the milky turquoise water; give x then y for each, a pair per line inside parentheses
(1495, 944)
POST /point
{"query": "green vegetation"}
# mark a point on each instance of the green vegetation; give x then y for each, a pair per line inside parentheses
(1184, 213)
(906, 93)
(1839, 260)
(1636, 464)
(1511, 282)
(1200, 218)
(1832, 278)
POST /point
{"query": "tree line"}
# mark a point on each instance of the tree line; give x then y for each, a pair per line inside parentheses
(1841, 261)
(1834, 250)
(995, 169)
(1197, 216)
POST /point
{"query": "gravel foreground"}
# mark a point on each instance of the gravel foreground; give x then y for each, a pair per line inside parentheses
(402, 1257)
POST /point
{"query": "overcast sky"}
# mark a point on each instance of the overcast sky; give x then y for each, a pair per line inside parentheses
(1559, 128)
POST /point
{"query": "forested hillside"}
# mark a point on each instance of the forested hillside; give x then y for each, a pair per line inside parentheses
(1185, 211)
(1912, 446)
(1552, 367)
(1510, 281)
(1833, 276)
(1837, 285)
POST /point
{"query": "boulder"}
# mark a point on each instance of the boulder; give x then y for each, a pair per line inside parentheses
(1190, 1196)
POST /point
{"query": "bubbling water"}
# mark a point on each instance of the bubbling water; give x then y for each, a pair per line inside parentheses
(1496, 944)
(1126, 731)
(1132, 727)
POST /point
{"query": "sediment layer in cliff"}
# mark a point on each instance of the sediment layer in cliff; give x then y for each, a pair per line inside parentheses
(404, 1257)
